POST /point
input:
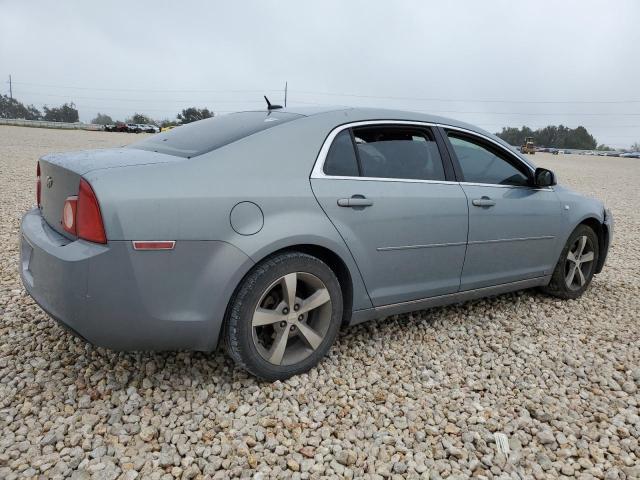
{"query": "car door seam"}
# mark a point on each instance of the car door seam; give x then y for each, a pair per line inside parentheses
(364, 284)
(466, 247)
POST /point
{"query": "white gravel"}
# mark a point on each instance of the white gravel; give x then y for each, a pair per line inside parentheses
(518, 386)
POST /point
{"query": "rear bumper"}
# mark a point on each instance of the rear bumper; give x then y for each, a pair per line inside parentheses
(116, 297)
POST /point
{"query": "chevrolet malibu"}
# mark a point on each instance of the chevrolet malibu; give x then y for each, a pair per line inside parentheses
(267, 231)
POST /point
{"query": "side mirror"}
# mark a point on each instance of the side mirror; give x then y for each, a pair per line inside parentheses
(544, 178)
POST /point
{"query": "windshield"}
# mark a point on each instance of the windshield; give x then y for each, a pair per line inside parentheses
(206, 135)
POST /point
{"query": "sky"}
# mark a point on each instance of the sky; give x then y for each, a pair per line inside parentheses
(491, 63)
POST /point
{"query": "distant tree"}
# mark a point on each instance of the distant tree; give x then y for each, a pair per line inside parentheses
(551, 136)
(12, 108)
(635, 147)
(64, 113)
(102, 119)
(604, 147)
(140, 118)
(193, 114)
(168, 123)
(515, 136)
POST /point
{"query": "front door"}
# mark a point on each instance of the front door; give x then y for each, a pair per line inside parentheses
(513, 227)
(385, 189)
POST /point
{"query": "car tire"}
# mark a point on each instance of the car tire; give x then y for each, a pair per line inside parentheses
(571, 278)
(264, 336)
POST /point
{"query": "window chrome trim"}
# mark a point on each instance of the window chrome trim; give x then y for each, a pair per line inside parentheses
(318, 168)
(499, 185)
(384, 179)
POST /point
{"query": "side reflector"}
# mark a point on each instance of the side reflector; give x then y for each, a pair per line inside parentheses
(153, 244)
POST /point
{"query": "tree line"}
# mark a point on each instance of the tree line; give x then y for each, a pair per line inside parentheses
(552, 136)
(12, 108)
(67, 112)
(188, 115)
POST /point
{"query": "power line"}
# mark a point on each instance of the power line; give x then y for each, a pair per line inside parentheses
(435, 99)
(154, 100)
(144, 99)
(335, 94)
(127, 109)
(146, 89)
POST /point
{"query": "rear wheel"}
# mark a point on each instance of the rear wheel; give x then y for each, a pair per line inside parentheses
(284, 317)
(576, 266)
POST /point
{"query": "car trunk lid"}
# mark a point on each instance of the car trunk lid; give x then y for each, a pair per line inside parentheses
(60, 175)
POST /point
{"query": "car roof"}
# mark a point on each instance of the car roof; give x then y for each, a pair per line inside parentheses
(340, 114)
(368, 113)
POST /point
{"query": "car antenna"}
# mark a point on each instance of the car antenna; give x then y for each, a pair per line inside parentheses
(271, 107)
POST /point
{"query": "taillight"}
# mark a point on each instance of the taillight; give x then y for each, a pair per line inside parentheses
(88, 217)
(81, 215)
(69, 215)
(38, 185)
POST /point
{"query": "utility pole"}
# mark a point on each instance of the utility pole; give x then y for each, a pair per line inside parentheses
(285, 94)
(10, 89)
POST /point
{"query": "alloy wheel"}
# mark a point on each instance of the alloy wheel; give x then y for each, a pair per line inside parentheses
(291, 319)
(579, 263)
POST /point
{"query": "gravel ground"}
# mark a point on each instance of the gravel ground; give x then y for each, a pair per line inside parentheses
(517, 386)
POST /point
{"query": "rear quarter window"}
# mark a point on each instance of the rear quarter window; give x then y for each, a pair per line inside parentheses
(206, 135)
(341, 159)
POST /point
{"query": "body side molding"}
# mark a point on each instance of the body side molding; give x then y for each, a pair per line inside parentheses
(360, 316)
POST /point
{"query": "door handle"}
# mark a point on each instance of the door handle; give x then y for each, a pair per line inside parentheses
(483, 202)
(355, 201)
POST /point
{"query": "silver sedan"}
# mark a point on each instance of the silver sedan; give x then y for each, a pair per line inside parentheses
(267, 231)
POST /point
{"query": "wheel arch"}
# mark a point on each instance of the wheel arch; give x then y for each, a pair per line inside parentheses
(333, 260)
(601, 232)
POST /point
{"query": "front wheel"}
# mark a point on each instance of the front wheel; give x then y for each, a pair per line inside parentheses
(284, 317)
(576, 266)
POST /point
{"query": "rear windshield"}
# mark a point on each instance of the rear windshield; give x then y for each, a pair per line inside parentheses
(206, 135)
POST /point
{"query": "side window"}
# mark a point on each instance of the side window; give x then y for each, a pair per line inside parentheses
(398, 152)
(341, 160)
(480, 165)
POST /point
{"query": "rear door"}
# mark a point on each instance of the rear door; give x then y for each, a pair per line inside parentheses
(392, 198)
(513, 226)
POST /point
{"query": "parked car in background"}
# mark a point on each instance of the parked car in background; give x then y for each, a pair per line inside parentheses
(133, 128)
(117, 127)
(168, 127)
(150, 129)
(266, 231)
(630, 155)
